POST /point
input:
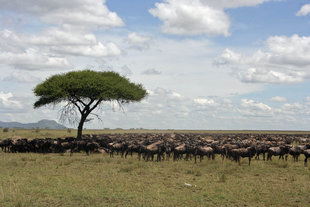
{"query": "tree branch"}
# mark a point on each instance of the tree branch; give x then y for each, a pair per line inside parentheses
(98, 102)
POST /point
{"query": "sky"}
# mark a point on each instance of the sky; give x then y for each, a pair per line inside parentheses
(206, 64)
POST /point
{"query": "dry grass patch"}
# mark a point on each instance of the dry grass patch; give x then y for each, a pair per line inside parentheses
(98, 180)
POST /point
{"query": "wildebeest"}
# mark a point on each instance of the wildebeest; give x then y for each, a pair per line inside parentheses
(278, 151)
(295, 151)
(204, 151)
(243, 152)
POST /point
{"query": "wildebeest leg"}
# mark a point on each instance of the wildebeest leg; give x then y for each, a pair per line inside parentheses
(257, 156)
(264, 156)
(195, 158)
(305, 162)
(201, 157)
(286, 157)
(249, 160)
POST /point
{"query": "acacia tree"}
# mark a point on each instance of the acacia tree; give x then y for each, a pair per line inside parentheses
(83, 91)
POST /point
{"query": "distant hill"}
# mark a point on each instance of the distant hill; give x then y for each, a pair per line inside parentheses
(43, 124)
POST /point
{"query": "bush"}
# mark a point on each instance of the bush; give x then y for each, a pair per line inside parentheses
(69, 130)
(5, 130)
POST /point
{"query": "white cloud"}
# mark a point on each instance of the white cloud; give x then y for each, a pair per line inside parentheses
(32, 59)
(294, 50)
(98, 50)
(285, 60)
(278, 99)
(205, 101)
(185, 17)
(138, 41)
(59, 41)
(8, 101)
(254, 75)
(196, 17)
(233, 3)
(250, 107)
(138, 38)
(304, 10)
(78, 14)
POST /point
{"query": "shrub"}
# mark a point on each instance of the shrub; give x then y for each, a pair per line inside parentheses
(5, 130)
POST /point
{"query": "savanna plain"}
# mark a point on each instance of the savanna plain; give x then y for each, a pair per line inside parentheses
(29, 179)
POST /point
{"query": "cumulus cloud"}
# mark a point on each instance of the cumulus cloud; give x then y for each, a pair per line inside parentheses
(58, 41)
(226, 4)
(98, 50)
(304, 10)
(138, 38)
(254, 75)
(8, 102)
(196, 17)
(284, 60)
(138, 41)
(79, 14)
(32, 59)
(278, 99)
(250, 107)
(205, 102)
(69, 33)
(151, 71)
(185, 17)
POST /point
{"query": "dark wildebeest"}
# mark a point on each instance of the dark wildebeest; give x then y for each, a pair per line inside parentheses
(307, 155)
(5, 144)
(295, 151)
(278, 151)
(204, 151)
(243, 152)
(261, 149)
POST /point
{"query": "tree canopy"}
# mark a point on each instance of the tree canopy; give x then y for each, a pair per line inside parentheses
(87, 89)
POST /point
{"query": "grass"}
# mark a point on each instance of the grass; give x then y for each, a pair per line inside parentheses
(98, 180)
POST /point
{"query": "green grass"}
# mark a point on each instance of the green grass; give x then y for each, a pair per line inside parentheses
(98, 180)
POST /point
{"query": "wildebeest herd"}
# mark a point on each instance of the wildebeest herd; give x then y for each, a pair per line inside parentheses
(176, 146)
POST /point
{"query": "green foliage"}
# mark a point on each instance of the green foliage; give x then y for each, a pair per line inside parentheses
(86, 90)
(5, 130)
(87, 84)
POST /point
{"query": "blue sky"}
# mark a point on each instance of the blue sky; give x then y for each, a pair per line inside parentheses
(207, 64)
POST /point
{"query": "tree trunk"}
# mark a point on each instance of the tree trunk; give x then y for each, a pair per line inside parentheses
(80, 127)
